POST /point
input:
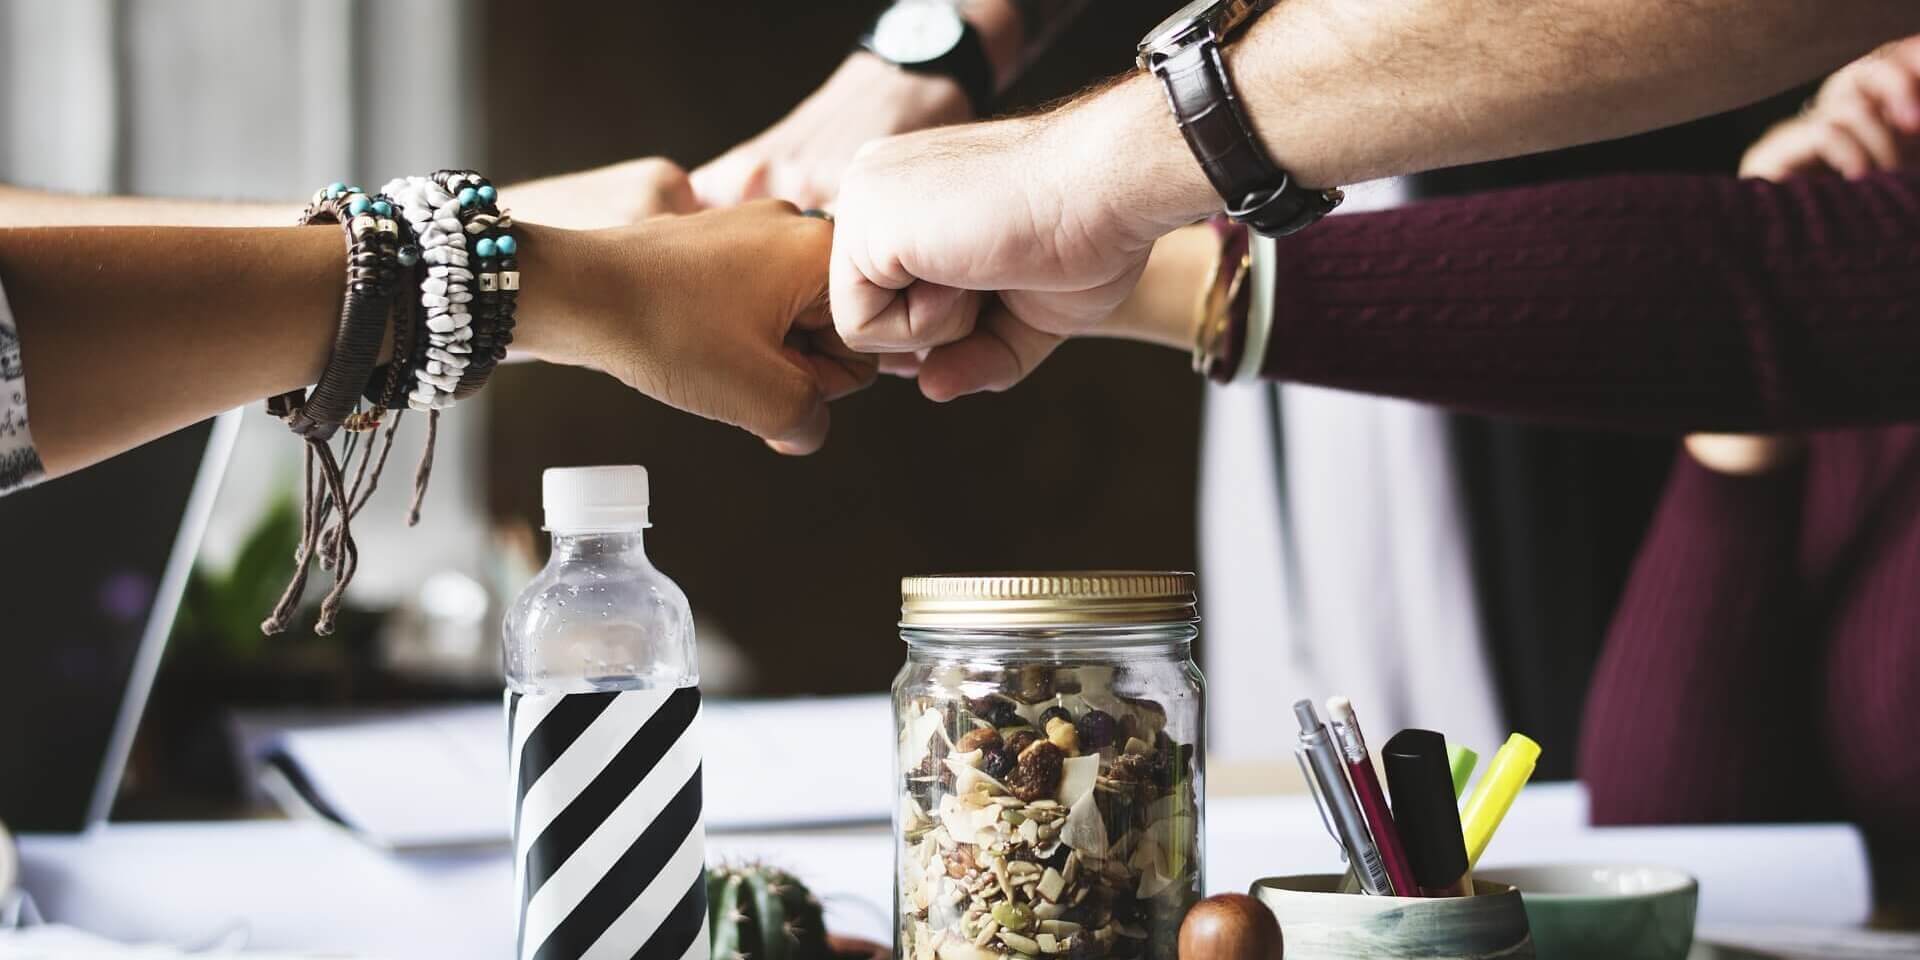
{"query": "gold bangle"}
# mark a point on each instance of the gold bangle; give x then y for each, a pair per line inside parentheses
(1213, 311)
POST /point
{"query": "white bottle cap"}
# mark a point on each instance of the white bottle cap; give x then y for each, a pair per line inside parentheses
(595, 498)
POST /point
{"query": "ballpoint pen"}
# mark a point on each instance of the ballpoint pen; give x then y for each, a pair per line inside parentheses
(1494, 794)
(1329, 776)
(1373, 800)
(1423, 807)
(1461, 761)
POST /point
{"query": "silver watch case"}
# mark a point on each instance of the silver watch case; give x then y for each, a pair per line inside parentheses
(1196, 22)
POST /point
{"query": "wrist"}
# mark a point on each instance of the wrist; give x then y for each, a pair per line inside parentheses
(916, 100)
(1133, 170)
(572, 281)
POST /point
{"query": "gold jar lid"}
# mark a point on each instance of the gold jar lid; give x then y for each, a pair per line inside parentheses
(1070, 598)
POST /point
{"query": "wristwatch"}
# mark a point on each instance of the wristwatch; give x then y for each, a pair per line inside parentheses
(1184, 52)
(931, 37)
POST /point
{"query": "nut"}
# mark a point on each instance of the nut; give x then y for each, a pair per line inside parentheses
(1064, 735)
(977, 738)
(1036, 775)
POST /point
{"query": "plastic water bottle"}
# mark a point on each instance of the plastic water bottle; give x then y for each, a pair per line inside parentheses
(603, 711)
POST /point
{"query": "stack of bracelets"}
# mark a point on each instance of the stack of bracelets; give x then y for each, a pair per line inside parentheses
(446, 236)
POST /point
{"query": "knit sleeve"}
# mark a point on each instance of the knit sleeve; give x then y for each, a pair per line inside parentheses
(19, 463)
(1654, 302)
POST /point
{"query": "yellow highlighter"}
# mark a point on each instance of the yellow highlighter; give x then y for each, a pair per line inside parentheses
(1494, 794)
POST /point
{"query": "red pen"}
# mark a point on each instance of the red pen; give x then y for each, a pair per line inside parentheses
(1373, 800)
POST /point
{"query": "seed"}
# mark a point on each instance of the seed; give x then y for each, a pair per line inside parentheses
(1013, 916)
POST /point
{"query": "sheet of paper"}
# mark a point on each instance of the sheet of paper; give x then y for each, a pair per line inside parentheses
(53, 942)
(1739, 942)
(438, 778)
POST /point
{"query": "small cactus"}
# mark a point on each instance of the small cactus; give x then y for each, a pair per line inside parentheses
(757, 912)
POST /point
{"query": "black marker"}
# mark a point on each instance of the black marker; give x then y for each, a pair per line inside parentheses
(1424, 809)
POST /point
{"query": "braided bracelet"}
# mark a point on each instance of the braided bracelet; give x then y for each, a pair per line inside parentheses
(372, 268)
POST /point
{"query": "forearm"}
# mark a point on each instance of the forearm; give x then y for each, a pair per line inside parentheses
(128, 334)
(1670, 303)
(1340, 92)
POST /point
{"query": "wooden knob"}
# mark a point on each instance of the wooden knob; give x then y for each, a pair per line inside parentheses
(1231, 926)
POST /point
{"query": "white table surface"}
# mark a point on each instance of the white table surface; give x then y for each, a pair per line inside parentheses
(307, 886)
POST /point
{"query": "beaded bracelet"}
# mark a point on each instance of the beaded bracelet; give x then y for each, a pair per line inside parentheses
(433, 215)
(496, 273)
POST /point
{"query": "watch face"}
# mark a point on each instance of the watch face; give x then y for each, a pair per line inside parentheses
(917, 31)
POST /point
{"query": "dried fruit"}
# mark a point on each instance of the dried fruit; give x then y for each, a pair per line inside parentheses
(1097, 729)
(1053, 713)
(977, 739)
(1019, 739)
(998, 711)
(1034, 683)
(1036, 775)
(1130, 768)
(997, 762)
(1063, 735)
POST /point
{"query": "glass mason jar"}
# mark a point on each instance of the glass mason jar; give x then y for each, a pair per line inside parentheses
(1051, 736)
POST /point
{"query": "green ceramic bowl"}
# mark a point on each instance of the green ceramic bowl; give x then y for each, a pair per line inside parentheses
(1590, 912)
(1319, 923)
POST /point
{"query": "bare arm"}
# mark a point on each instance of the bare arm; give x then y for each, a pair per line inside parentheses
(128, 333)
(802, 157)
(1342, 92)
(1056, 213)
(609, 196)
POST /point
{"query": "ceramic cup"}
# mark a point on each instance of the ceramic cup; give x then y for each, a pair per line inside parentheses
(1587, 912)
(1319, 924)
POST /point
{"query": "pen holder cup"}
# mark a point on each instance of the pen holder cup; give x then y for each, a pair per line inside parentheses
(1319, 923)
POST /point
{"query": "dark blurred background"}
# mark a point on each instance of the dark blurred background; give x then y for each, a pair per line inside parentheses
(1091, 463)
(793, 565)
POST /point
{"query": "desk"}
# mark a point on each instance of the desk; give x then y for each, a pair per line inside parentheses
(299, 885)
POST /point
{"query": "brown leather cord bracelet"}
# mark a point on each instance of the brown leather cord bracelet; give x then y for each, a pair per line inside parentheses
(372, 272)
(372, 275)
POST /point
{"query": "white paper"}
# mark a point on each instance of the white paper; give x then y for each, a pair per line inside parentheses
(438, 778)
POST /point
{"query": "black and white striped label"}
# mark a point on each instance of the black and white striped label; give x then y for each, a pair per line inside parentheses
(609, 849)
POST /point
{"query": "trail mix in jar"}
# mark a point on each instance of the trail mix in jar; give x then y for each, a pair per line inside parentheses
(1051, 817)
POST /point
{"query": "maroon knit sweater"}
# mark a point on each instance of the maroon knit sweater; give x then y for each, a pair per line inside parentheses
(1765, 660)
(1667, 303)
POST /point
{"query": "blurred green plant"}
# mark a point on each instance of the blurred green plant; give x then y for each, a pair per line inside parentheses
(221, 612)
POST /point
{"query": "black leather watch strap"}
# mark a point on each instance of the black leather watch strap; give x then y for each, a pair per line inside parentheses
(1257, 191)
(966, 64)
